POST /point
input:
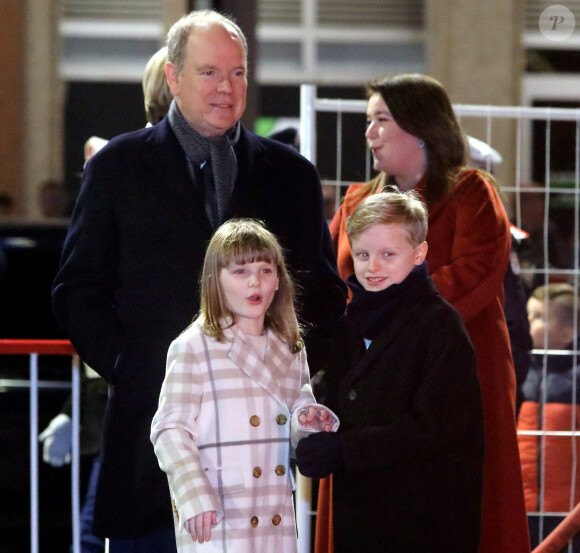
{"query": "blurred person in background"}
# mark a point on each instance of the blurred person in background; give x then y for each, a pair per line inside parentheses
(551, 393)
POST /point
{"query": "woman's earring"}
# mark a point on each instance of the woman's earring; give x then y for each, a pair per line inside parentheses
(421, 143)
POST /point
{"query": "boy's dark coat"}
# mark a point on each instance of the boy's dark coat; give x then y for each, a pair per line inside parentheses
(411, 433)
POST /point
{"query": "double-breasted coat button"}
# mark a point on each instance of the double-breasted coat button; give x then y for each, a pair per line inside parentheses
(280, 470)
(257, 472)
(276, 519)
(254, 522)
(352, 395)
(281, 420)
(255, 420)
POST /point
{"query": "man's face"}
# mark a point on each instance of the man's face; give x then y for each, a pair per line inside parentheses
(211, 89)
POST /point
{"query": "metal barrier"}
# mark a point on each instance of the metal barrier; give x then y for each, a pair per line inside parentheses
(34, 348)
(522, 119)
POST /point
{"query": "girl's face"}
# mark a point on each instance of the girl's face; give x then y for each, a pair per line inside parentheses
(249, 289)
(383, 255)
(395, 151)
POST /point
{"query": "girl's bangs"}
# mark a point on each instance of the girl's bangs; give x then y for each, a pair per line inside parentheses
(240, 254)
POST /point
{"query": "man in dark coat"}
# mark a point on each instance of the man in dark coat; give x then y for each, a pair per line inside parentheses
(128, 284)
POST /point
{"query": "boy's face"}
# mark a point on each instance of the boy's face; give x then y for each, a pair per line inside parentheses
(558, 336)
(383, 255)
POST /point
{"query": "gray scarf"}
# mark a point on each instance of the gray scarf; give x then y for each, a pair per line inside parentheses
(217, 151)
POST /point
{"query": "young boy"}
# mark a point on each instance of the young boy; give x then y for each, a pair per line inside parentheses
(548, 463)
(407, 462)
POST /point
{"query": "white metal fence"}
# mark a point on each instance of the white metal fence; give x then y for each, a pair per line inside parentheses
(542, 197)
(34, 383)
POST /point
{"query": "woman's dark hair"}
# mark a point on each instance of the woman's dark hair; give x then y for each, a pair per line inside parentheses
(420, 106)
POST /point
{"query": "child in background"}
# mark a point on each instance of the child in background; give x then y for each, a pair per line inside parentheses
(236, 393)
(407, 462)
(549, 463)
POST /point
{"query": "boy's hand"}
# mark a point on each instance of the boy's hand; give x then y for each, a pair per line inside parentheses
(319, 454)
(200, 526)
(317, 418)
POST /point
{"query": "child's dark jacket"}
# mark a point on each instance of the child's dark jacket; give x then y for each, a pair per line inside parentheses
(548, 464)
(411, 431)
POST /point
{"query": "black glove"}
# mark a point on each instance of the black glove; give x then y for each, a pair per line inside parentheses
(319, 454)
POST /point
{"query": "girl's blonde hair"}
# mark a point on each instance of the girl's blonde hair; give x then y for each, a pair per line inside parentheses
(390, 206)
(243, 241)
(156, 91)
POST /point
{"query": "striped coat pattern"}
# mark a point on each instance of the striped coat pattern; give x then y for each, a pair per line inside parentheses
(223, 433)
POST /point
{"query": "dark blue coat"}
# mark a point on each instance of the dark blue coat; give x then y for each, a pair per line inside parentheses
(411, 432)
(128, 286)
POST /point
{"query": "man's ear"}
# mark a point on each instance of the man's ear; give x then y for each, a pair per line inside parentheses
(172, 77)
(421, 253)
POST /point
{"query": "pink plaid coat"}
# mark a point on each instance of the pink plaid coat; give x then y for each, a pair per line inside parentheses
(222, 434)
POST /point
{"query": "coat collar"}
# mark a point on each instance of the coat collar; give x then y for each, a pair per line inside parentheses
(267, 368)
(400, 323)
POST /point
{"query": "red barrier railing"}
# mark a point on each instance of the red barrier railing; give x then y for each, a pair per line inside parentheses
(34, 348)
(562, 534)
(43, 347)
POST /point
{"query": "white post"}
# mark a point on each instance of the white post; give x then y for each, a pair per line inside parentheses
(303, 511)
(33, 452)
(308, 122)
(308, 150)
(76, 451)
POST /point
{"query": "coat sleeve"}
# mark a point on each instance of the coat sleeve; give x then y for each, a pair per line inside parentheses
(174, 433)
(305, 399)
(321, 292)
(473, 276)
(83, 291)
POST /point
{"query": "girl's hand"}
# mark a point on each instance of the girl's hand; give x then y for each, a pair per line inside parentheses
(317, 419)
(200, 526)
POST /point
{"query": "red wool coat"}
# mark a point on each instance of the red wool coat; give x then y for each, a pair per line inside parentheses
(469, 244)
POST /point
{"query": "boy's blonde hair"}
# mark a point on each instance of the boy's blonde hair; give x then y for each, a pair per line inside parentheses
(390, 206)
(246, 241)
(562, 295)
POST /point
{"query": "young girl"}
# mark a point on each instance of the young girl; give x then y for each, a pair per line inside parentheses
(236, 393)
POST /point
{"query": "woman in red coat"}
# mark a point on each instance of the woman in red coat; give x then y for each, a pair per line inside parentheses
(417, 143)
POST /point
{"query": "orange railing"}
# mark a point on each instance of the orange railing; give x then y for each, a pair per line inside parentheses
(33, 348)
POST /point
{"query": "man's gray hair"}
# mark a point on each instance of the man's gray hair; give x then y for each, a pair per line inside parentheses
(180, 31)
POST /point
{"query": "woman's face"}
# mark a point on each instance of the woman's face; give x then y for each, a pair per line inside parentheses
(394, 151)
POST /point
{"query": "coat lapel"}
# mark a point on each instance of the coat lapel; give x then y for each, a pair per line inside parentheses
(268, 369)
(166, 159)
